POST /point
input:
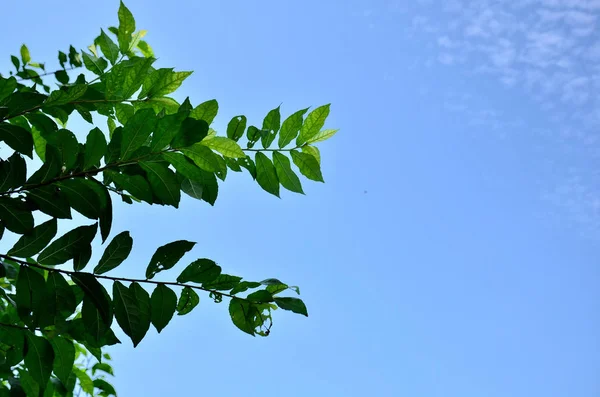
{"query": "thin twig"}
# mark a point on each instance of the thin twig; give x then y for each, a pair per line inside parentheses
(46, 73)
(124, 279)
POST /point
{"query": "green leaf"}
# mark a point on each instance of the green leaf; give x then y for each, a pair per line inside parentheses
(253, 134)
(145, 49)
(322, 136)
(162, 82)
(65, 142)
(7, 86)
(32, 243)
(202, 156)
(85, 382)
(113, 150)
(106, 211)
(25, 57)
(313, 124)
(200, 271)
(294, 304)
(244, 286)
(64, 96)
(106, 387)
(308, 165)
(94, 325)
(206, 111)
(290, 128)
(261, 296)
(266, 175)
(68, 246)
(227, 147)
(124, 112)
(164, 303)
(95, 147)
(39, 358)
(244, 315)
(82, 196)
(191, 132)
(126, 77)
(222, 283)
(236, 127)
(13, 172)
(137, 131)
(22, 102)
(51, 201)
(163, 182)
(136, 185)
(115, 253)
(95, 292)
(167, 256)
(104, 367)
(206, 190)
(18, 138)
(15, 215)
(30, 294)
(29, 385)
(126, 27)
(184, 166)
(270, 127)
(94, 64)
(59, 300)
(285, 174)
(108, 47)
(131, 312)
(313, 151)
(64, 358)
(188, 300)
(166, 129)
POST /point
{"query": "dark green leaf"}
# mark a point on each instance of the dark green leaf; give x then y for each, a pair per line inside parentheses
(236, 127)
(108, 47)
(222, 283)
(145, 49)
(261, 296)
(51, 168)
(124, 112)
(166, 129)
(184, 166)
(104, 367)
(308, 165)
(164, 302)
(32, 243)
(136, 185)
(200, 271)
(7, 86)
(85, 382)
(113, 151)
(66, 95)
(74, 57)
(95, 148)
(29, 385)
(82, 196)
(39, 358)
(244, 286)
(137, 131)
(106, 211)
(253, 134)
(64, 358)
(313, 124)
(191, 132)
(285, 174)
(270, 127)
(206, 189)
(290, 128)
(163, 182)
(132, 315)
(68, 246)
(22, 102)
(107, 388)
(115, 253)
(62, 76)
(94, 291)
(15, 215)
(244, 315)
(167, 256)
(30, 294)
(51, 201)
(188, 300)
(18, 138)
(25, 57)
(266, 175)
(206, 111)
(13, 172)
(66, 144)
(94, 64)
(322, 136)
(294, 304)
(59, 300)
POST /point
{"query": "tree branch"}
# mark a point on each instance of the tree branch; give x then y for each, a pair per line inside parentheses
(47, 73)
(124, 279)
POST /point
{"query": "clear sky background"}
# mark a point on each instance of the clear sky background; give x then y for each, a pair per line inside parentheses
(452, 251)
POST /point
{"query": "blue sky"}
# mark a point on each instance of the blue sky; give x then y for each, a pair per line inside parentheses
(452, 250)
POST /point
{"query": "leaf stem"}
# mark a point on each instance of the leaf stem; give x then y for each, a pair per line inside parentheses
(271, 150)
(124, 279)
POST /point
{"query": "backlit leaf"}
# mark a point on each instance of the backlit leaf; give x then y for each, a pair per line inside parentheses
(308, 165)
(95, 292)
(206, 111)
(163, 182)
(115, 253)
(200, 271)
(227, 147)
(266, 175)
(236, 127)
(95, 147)
(290, 128)
(285, 174)
(68, 246)
(188, 300)
(164, 303)
(64, 358)
(15, 216)
(167, 256)
(294, 304)
(136, 132)
(313, 124)
(32, 243)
